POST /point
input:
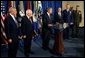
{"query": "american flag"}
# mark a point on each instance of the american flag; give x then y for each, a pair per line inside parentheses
(3, 15)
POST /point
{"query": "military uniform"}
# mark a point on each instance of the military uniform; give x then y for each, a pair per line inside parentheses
(77, 20)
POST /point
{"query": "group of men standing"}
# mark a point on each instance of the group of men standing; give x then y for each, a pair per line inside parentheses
(13, 34)
(60, 25)
(50, 25)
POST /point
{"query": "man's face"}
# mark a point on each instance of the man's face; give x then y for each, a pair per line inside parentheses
(59, 9)
(14, 12)
(77, 8)
(50, 10)
(68, 6)
(29, 13)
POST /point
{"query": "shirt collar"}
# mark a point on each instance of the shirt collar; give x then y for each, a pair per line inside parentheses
(27, 16)
(48, 14)
(11, 15)
(67, 9)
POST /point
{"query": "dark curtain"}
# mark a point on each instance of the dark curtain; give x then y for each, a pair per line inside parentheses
(53, 4)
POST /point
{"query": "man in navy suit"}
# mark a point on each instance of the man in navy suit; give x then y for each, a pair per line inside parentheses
(27, 31)
(46, 29)
(68, 20)
(72, 20)
(11, 29)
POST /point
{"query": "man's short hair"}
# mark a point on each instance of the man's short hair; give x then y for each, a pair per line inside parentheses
(49, 8)
(67, 4)
(77, 5)
(10, 9)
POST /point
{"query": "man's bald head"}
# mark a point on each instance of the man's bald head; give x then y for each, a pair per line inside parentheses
(29, 12)
(13, 11)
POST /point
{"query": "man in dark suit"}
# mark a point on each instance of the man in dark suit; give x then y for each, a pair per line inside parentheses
(58, 47)
(72, 24)
(67, 20)
(11, 29)
(47, 20)
(27, 31)
(77, 20)
(58, 16)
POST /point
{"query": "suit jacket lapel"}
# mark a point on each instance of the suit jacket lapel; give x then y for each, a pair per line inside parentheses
(16, 23)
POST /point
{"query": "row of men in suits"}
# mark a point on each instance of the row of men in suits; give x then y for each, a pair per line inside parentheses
(12, 31)
(60, 24)
(72, 18)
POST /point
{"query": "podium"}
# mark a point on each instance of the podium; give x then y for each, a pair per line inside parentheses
(58, 43)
